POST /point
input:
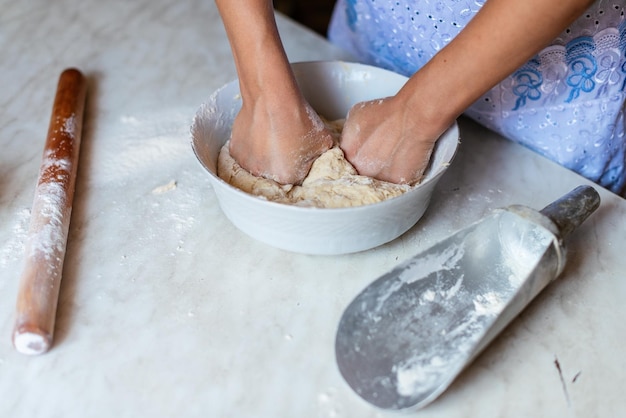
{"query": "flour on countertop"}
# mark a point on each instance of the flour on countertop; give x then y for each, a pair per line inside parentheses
(13, 249)
(151, 147)
(148, 155)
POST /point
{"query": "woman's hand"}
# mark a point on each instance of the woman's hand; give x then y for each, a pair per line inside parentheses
(276, 134)
(385, 140)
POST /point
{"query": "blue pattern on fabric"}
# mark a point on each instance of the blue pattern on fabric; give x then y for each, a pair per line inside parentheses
(528, 83)
(351, 14)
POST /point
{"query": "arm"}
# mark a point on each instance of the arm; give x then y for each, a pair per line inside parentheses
(276, 134)
(392, 141)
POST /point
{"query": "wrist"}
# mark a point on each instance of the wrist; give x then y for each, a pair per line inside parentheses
(431, 109)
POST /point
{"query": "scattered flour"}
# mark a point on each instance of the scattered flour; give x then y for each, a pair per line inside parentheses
(70, 125)
(13, 248)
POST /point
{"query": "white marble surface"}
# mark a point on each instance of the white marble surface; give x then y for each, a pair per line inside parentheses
(167, 310)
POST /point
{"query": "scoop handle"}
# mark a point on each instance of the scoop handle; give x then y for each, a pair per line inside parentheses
(571, 210)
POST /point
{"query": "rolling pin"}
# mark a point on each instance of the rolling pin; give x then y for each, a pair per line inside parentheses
(38, 291)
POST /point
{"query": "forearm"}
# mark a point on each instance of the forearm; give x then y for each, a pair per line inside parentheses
(261, 62)
(502, 36)
(276, 133)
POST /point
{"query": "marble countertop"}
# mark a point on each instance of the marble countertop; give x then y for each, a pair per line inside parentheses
(167, 310)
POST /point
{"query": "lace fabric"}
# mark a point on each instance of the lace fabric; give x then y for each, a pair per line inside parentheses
(566, 103)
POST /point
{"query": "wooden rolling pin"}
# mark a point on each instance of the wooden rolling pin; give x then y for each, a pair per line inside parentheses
(40, 282)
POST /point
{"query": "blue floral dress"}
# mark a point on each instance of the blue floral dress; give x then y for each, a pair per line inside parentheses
(567, 103)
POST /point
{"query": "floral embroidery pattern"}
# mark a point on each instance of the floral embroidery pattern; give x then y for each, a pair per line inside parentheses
(592, 65)
(527, 84)
(607, 72)
(583, 70)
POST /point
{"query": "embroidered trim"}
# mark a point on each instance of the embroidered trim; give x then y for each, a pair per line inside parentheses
(586, 64)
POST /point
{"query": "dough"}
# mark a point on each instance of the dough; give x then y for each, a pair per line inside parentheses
(332, 182)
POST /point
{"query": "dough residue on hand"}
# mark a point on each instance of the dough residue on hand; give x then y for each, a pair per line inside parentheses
(332, 181)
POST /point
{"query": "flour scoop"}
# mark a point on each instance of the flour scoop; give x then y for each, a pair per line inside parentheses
(408, 335)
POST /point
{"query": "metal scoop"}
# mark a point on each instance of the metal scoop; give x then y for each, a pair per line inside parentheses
(408, 335)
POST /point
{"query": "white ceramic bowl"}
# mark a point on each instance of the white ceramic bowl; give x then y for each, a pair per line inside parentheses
(332, 87)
